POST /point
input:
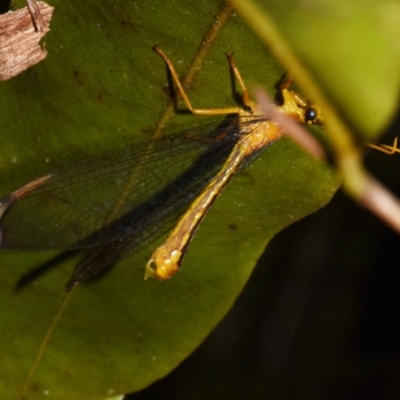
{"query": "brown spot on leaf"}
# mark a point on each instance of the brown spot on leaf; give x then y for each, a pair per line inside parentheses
(77, 77)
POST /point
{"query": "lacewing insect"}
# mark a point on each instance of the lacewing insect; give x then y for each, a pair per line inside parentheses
(116, 203)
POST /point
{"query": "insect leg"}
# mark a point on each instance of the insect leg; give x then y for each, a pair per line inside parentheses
(181, 90)
(247, 102)
(384, 148)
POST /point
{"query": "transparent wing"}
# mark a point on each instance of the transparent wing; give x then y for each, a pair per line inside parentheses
(125, 194)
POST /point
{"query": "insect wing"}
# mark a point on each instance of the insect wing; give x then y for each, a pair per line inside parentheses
(99, 200)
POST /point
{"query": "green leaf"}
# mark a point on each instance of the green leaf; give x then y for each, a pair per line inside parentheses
(101, 88)
(350, 47)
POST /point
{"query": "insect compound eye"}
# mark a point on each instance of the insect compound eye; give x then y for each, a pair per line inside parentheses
(311, 116)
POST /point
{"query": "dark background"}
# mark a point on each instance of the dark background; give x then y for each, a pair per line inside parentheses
(319, 318)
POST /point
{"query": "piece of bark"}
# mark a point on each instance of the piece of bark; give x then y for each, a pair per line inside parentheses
(20, 35)
(37, 18)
